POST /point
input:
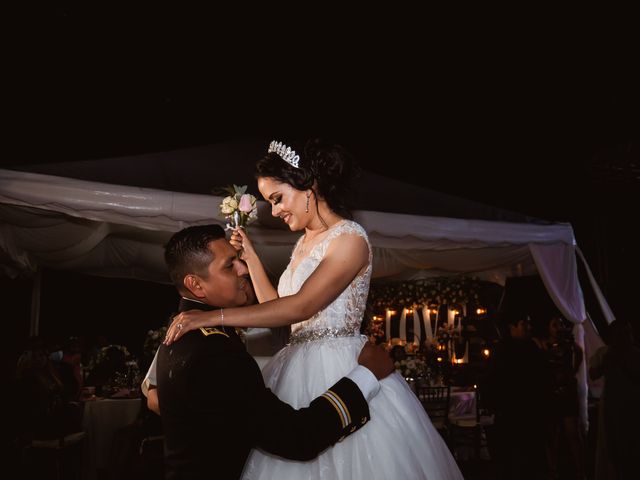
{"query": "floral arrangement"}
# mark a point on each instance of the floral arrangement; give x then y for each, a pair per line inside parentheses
(411, 348)
(412, 367)
(152, 341)
(431, 292)
(239, 207)
(445, 333)
(375, 331)
(105, 353)
(113, 367)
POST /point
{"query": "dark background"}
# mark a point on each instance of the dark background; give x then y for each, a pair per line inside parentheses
(538, 120)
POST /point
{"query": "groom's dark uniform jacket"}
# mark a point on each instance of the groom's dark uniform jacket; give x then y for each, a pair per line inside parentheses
(215, 408)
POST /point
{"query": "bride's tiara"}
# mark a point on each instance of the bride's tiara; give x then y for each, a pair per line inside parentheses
(285, 153)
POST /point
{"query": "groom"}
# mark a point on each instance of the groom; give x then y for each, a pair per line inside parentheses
(214, 405)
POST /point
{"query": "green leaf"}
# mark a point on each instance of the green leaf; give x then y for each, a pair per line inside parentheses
(240, 189)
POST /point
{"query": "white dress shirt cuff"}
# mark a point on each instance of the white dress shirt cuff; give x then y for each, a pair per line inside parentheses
(365, 380)
(151, 378)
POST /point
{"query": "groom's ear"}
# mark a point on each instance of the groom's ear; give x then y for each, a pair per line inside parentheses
(192, 283)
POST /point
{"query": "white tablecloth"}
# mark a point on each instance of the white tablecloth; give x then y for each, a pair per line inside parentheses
(101, 419)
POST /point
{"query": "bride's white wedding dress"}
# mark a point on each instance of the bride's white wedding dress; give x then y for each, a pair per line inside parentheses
(399, 442)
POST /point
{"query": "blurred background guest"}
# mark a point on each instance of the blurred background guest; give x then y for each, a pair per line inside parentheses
(43, 406)
(563, 355)
(621, 369)
(517, 387)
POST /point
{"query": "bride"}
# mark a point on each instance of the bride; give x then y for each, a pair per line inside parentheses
(322, 295)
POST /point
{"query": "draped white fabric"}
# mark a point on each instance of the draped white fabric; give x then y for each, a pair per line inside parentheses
(558, 270)
(557, 267)
(118, 231)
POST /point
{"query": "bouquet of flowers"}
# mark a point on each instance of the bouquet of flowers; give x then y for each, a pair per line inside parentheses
(239, 207)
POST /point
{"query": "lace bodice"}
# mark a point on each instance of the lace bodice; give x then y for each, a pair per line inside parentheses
(344, 315)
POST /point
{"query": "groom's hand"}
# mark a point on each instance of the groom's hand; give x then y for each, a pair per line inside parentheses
(376, 359)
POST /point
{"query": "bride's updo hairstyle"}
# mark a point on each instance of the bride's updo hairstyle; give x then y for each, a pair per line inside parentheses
(328, 169)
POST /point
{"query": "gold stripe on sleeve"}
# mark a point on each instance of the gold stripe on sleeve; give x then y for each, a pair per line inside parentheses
(335, 405)
(346, 410)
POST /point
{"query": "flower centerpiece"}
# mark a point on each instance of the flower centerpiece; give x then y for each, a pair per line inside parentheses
(375, 331)
(447, 333)
(412, 368)
(113, 368)
(111, 353)
(239, 207)
(152, 342)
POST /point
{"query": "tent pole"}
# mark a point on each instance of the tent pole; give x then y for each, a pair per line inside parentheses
(34, 326)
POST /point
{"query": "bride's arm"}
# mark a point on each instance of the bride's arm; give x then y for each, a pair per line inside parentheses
(259, 278)
(346, 257)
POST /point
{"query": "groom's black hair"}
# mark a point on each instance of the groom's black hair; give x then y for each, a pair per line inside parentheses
(187, 252)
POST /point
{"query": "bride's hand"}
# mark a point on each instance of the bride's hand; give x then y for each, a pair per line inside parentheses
(242, 243)
(187, 321)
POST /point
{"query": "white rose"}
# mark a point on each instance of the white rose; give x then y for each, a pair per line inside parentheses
(229, 205)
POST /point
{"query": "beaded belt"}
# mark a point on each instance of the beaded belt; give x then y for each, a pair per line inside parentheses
(313, 335)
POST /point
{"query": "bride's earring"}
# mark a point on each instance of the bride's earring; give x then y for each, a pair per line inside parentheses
(307, 207)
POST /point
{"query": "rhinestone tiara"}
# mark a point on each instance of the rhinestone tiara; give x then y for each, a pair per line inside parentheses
(285, 153)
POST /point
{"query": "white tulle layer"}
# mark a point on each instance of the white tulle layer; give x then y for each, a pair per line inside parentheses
(398, 443)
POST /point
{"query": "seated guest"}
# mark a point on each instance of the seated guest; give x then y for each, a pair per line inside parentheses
(43, 409)
(72, 356)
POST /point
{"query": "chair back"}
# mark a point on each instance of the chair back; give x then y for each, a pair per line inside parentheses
(484, 414)
(435, 400)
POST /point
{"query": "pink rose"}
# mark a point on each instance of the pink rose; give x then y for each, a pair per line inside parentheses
(245, 203)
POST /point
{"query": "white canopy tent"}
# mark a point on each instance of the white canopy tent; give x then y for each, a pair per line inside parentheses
(119, 230)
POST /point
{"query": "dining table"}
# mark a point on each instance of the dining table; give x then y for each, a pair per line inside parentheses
(101, 419)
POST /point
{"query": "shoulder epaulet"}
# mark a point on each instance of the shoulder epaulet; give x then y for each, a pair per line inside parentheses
(206, 331)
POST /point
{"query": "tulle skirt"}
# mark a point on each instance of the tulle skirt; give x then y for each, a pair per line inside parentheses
(398, 443)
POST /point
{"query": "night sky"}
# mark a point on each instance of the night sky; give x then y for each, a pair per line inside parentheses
(543, 126)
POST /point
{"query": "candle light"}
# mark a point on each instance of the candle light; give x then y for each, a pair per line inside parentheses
(403, 325)
(416, 328)
(426, 314)
(451, 316)
(387, 326)
(486, 352)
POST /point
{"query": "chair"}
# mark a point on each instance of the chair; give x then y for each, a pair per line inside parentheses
(470, 433)
(137, 453)
(435, 400)
(64, 454)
